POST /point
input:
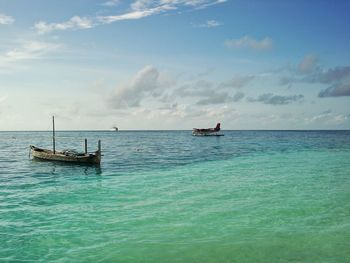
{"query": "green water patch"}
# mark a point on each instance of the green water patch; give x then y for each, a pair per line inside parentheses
(268, 207)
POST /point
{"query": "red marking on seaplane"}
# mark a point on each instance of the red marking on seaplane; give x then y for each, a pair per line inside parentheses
(208, 131)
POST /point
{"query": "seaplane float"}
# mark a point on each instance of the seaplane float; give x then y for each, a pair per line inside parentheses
(207, 131)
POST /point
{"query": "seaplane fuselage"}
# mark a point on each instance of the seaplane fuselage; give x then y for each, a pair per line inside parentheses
(207, 131)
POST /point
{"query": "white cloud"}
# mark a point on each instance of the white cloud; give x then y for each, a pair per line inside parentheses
(337, 90)
(75, 22)
(249, 42)
(30, 50)
(70, 110)
(147, 4)
(309, 71)
(3, 98)
(207, 93)
(269, 98)
(6, 20)
(184, 116)
(340, 118)
(308, 64)
(321, 117)
(209, 24)
(216, 98)
(148, 82)
(327, 117)
(11, 60)
(237, 82)
(135, 14)
(138, 10)
(111, 3)
(216, 112)
(210, 3)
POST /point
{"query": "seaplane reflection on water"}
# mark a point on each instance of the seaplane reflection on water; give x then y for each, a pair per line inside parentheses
(208, 131)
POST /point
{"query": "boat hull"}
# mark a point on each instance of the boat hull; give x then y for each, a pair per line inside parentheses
(49, 155)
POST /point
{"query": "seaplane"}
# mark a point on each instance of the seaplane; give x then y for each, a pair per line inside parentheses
(208, 131)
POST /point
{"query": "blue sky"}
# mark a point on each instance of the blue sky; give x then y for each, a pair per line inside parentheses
(174, 64)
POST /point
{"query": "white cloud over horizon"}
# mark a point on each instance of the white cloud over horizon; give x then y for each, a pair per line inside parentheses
(328, 117)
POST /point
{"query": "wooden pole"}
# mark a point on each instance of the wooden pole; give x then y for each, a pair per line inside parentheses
(53, 134)
(99, 145)
(85, 146)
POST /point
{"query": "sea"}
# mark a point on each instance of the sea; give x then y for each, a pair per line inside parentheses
(167, 196)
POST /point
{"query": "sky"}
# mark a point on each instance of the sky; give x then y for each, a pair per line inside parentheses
(174, 64)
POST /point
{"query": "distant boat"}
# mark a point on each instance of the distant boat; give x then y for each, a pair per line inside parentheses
(207, 131)
(66, 156)
(115, 128)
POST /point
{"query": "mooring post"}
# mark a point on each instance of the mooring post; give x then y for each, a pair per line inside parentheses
(53, 134)
(99, 145)
(85, 146)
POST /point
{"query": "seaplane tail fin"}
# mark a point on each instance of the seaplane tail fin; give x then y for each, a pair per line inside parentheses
(217, 128)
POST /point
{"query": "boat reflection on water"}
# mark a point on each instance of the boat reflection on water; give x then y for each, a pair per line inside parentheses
(66, 168)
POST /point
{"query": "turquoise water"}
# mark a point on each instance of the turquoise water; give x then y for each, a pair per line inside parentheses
(250, 196)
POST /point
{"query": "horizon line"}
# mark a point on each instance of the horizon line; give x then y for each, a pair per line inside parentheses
(131, 130)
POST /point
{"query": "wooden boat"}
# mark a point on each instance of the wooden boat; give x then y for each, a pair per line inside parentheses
(66, 156)
(207, 131)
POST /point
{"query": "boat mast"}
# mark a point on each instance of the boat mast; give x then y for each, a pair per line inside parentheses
(53, 134)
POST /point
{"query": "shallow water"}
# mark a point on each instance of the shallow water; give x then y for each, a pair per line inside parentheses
(250, 196)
